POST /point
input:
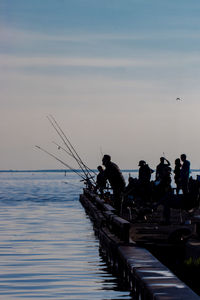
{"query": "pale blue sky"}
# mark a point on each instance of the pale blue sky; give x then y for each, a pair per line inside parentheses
(109, 71)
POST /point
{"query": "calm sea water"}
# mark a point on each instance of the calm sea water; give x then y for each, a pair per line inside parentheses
(48, 249)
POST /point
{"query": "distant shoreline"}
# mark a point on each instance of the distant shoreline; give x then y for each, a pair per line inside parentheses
(67, 171)
(54, 171)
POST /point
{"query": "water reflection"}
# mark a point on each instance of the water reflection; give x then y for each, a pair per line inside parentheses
(48, 249)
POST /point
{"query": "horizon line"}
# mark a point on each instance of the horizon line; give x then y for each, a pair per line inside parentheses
(69, 171)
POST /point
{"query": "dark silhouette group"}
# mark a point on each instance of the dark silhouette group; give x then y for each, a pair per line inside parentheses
(147, 191)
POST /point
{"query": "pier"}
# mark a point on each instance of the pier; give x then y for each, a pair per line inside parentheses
(146, 277)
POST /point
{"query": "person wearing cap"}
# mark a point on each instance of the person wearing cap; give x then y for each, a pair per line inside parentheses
(114, 176)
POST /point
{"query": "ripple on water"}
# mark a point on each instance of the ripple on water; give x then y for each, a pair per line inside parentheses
(47, 245)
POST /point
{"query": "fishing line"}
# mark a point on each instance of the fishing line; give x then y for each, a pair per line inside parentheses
(69, 146)
(60, 147)
(72, 154)
(69, 153)
(76, 185)
(58, 126)
(62, 162)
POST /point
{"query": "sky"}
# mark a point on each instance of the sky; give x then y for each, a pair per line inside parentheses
(109, 71)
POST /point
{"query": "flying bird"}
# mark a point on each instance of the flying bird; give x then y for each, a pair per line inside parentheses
(178, 99)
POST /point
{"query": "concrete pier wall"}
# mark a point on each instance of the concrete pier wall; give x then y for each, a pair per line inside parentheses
(147, 278)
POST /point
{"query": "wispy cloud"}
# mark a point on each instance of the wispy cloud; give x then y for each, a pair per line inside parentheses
(9, 34)
(13, 61)
(19, 89)
(165, 60)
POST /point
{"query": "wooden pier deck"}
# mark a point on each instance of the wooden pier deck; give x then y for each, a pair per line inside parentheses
(153, 231)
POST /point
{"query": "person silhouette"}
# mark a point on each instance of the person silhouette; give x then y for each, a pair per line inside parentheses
(177, 175)
(144, 180)
(163, 175)
(144, 172)
(101, 180)
(162, 168)
(185, 173)
(114, 176)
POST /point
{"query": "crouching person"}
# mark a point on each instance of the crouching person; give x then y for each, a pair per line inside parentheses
(101, 180)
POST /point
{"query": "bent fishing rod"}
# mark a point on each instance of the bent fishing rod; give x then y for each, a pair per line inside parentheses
(69, 146)
(62, 162)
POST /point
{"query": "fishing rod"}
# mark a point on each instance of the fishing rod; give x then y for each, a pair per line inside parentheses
(60, 147)
(66, 182)
(101, 152)
(60, 135)
(69, 146)
(69, 153)
(87, 177)
(62, 162)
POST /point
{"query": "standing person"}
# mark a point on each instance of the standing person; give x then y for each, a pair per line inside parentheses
(163, 175)
(185, 173)
(144, 180)
(144, 172)
(162, 168)
(101, 180)
(116, 180)
(177, 175)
